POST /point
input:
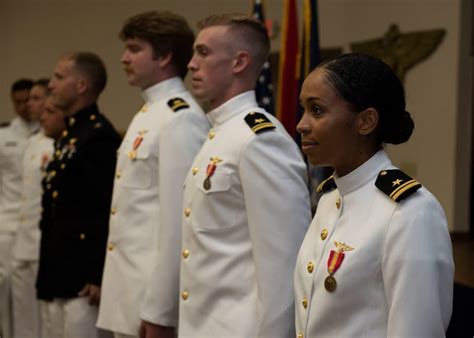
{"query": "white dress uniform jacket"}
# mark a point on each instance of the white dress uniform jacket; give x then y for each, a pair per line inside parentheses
(162, 139)
(13, 141)
(37, 154)
(396, 277)
(12, 146)
(26, 317)
(242, 230)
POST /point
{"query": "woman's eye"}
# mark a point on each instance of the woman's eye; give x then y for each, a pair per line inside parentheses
(316, 110)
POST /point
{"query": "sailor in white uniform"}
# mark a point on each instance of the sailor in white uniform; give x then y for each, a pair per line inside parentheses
(38, 152)
(377, 259)
(153, 159)
(246, 204)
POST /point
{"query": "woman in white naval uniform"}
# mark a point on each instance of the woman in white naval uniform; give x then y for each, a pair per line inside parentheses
(377, 259)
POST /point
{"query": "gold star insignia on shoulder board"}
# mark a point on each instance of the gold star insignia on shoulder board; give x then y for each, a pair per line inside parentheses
(396, 184)
(258, 122)
(177, 103)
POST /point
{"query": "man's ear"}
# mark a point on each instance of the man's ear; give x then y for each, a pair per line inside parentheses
(241, 61)
(82, 84)
(165, 60)
(367, 121)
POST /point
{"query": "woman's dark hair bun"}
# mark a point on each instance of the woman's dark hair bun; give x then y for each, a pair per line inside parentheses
(398, 129)
(367, 82)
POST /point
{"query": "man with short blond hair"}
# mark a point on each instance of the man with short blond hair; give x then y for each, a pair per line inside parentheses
(245, 207)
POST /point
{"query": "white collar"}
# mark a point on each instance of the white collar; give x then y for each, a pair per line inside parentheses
(166, 88)
(364, 173)
(232, 107)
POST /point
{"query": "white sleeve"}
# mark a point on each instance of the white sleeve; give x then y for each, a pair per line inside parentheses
(274, 182)
(418, 269)
(179, 143)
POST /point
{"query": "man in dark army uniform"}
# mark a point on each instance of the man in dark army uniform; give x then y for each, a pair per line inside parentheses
(76, 201)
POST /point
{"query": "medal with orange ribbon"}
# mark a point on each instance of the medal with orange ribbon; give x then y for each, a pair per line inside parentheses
(211, 168)
(132, 154)
(334, 262)
(45, 157)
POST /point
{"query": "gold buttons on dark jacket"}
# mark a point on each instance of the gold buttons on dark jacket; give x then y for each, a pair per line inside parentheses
(82, 236)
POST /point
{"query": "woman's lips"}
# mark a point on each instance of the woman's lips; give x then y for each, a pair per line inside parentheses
(307, 146)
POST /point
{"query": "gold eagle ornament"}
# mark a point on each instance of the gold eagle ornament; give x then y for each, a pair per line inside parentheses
(401, 51)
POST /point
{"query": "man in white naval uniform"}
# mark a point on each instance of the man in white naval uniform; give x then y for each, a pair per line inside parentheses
(12, 145)
(38, 151)
(246, 204)
(155, 155)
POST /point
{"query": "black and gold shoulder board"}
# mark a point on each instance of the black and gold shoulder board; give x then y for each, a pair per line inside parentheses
(258, 122)
(396, 184)
(177, 103)
(326, 185)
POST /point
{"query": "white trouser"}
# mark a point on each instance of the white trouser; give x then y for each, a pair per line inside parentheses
(73, 318)
(46, 324)
(6, 245)
(26, 314)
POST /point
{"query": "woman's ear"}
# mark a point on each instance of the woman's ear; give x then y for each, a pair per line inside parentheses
(367, 121)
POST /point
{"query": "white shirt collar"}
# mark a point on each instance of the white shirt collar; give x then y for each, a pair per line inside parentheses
(232, 107)
(364, 173)
(163, 89)
(26, 128)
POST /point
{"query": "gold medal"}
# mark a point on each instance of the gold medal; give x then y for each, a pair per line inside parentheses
(334, 262)
(132, 154)
(207, 183)
(330, 283)
(211, 168)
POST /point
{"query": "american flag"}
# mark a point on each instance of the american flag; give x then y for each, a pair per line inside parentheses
(264, 87)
